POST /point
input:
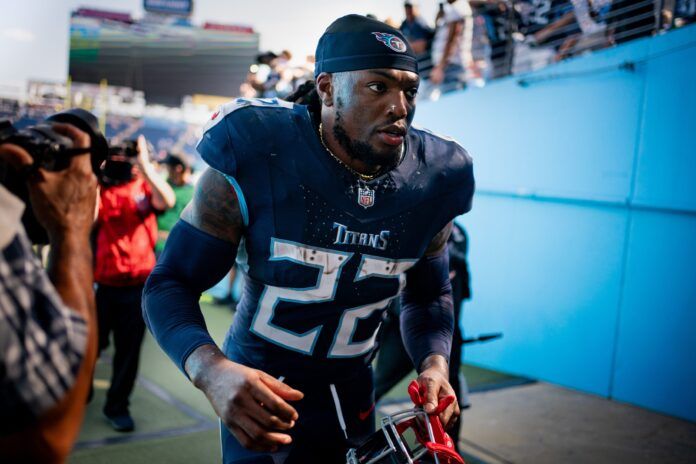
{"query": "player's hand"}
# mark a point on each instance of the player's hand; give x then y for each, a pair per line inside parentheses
(434, 380)
(252, 404)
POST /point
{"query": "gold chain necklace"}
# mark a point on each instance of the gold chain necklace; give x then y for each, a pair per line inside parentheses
(361, 176)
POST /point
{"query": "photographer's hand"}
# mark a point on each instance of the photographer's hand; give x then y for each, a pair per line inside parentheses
(64, 201)
(143, 158)
(163, 196)
(15, 156)
(64, 204)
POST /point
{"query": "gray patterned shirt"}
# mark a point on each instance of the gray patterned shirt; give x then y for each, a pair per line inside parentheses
(42, 342)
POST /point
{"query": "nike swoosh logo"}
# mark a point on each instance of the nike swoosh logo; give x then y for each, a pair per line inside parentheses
(362, 415)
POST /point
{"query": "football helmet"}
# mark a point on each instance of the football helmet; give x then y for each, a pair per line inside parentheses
(411, 436)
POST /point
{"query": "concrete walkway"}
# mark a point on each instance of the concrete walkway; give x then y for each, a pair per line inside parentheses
(541, 423)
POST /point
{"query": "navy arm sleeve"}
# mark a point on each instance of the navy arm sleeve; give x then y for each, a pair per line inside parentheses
(427, 312)
(192, 261)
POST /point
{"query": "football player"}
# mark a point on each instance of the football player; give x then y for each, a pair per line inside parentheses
(332, 208)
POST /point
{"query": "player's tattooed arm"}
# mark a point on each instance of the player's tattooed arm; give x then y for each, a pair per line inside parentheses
(215, 208)
(439, 242)
(254, 406)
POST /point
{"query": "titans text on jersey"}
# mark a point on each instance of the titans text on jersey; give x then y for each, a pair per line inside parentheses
(351, 237)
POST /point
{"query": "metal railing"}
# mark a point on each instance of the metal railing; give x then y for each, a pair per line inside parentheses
(516, 36)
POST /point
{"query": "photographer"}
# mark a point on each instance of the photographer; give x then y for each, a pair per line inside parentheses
(47, 317)
(132, 193)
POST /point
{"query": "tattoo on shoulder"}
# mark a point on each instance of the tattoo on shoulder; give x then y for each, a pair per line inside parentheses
(438, 243)
(215, 208)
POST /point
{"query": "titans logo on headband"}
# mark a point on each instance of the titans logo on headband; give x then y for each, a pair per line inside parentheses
(391, 41)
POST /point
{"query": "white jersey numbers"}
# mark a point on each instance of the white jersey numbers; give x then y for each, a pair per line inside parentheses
(330, 265)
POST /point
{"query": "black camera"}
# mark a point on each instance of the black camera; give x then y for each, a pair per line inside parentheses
(127, 148)
(118, 168)
(51, 151)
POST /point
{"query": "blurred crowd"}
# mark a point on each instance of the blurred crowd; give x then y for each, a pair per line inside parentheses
(277, 75)
(470, 42)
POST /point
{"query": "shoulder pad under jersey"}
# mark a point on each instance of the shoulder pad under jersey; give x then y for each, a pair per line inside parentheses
(451, 168)
(241, 130)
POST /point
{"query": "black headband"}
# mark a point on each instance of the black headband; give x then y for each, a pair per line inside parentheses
(355, 42)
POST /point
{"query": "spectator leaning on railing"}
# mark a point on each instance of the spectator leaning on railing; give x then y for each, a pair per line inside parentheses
(452, 46)
(419, 35)
(47, 318)
(588, 14)
(540, 28)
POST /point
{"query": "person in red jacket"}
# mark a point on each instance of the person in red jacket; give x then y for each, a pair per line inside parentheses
(132, 193)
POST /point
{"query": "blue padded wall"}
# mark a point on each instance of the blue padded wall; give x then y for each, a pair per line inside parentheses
(584, 221)
(655, 364)
(543, 274)
(666, 172)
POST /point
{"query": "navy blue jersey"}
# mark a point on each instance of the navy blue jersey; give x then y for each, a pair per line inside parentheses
(324, 254)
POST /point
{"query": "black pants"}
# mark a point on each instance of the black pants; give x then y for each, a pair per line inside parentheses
(119, 312)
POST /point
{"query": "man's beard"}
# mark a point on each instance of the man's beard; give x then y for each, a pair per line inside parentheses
(360, 150)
